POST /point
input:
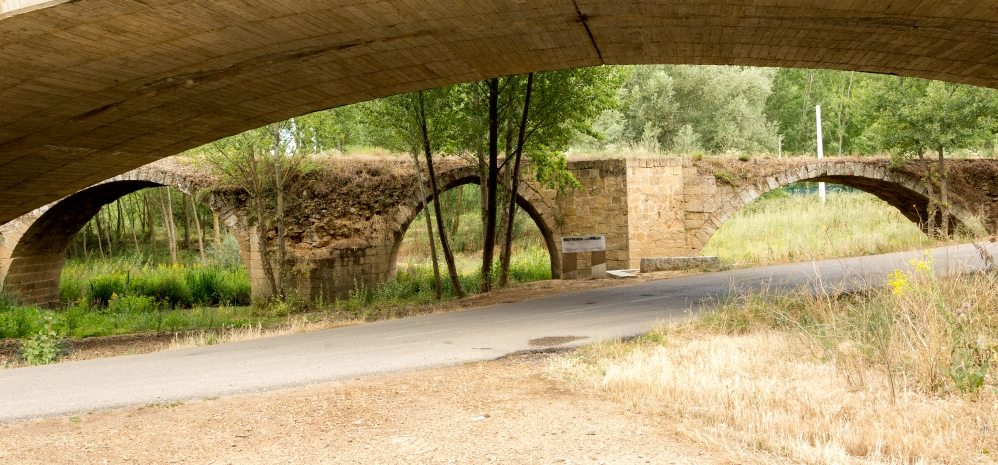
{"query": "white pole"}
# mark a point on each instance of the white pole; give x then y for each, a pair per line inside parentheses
(821, 151)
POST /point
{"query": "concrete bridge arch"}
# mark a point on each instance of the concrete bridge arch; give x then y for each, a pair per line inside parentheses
(147, 80)
(33, 247)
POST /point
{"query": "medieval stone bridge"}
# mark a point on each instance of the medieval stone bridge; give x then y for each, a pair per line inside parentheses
(92, 88)
(346, 227)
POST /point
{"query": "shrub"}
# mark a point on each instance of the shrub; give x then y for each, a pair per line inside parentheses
(131, 304)
(166, 285)
(20, 322)
(205, 285)
(43, 347)
(102, 288)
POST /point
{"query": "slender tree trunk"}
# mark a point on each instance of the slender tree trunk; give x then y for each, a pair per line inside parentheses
(86, 253)
(514, 186)
(257, 194)
(279, 222)
(488, 249)
(429, 229)
(441, 229)
(131, 223)
(109, 232)
(197, 226)
(97, 224)
(119, 226)
(171, 232)
(187, 221)
(458, 209)
(216, 230)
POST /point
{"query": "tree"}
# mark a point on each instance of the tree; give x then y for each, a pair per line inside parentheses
(908, 117)
(411, 122)
(667, 107)
(264, 162)
(487, 127)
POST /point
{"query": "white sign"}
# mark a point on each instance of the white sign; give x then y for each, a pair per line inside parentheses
(573, 244)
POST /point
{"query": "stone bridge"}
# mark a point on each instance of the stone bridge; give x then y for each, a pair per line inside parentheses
(92, 88)
(346, 226)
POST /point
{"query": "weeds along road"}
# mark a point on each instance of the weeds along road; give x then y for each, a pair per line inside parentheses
(421, 342)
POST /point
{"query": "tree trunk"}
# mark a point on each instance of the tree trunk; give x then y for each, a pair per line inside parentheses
(458, 209)
(119, 226)
(514, 186)
(171, 232)
(216, 230)
(441, 230)
(256, 186)
(131, 223)
(488, 249)
(279, 222)
(86, 232)
(108, 233)
(100, 245)
(197, 226)
(148, 224)
(187, 221)
(429, 229)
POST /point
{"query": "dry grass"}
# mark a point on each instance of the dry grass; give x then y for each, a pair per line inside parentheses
(890, 377)
(295, 324)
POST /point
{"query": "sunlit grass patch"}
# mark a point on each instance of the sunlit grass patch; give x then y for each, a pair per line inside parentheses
(876, 377)
(782, 228)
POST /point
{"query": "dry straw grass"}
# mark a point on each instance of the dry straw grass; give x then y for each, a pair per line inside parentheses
(295, 324)
(902, 375)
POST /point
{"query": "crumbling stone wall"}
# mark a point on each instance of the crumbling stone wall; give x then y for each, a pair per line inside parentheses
(346, 218)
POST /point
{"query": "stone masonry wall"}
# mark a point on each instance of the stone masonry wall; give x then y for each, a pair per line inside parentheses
(655, 208)
(599, 206)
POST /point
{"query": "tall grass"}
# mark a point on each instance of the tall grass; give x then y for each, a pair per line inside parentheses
(781, 227)
(902, 374)
(176, 286)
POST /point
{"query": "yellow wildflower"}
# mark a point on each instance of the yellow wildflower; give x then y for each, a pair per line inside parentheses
(898, 283)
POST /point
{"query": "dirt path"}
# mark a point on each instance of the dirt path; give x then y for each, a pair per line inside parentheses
(500, 412)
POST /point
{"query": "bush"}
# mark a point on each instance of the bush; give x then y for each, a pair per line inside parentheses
(43, 347)
(131, 304)
(166, 285)
(205, 285)
(20, 322)
(102, 288)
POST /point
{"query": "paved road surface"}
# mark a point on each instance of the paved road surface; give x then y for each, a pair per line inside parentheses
(417, 342)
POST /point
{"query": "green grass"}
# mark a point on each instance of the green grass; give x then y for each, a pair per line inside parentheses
(176, 286)
(781, 228)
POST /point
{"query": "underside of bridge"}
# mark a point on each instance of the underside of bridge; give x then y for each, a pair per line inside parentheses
(93, 88)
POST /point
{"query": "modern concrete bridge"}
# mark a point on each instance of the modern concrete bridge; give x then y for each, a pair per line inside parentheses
(93, 88)
(346, 228)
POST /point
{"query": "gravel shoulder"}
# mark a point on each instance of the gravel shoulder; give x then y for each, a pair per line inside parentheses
(506, 411)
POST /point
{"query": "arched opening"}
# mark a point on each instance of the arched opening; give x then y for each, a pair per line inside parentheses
(534, 252)
(113, 241)
(861, 216)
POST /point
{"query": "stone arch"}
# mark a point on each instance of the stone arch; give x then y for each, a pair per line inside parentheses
(34, 254)
(527, 199)
(902, 190)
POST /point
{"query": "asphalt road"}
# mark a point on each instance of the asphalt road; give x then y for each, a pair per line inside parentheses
(418, 342)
